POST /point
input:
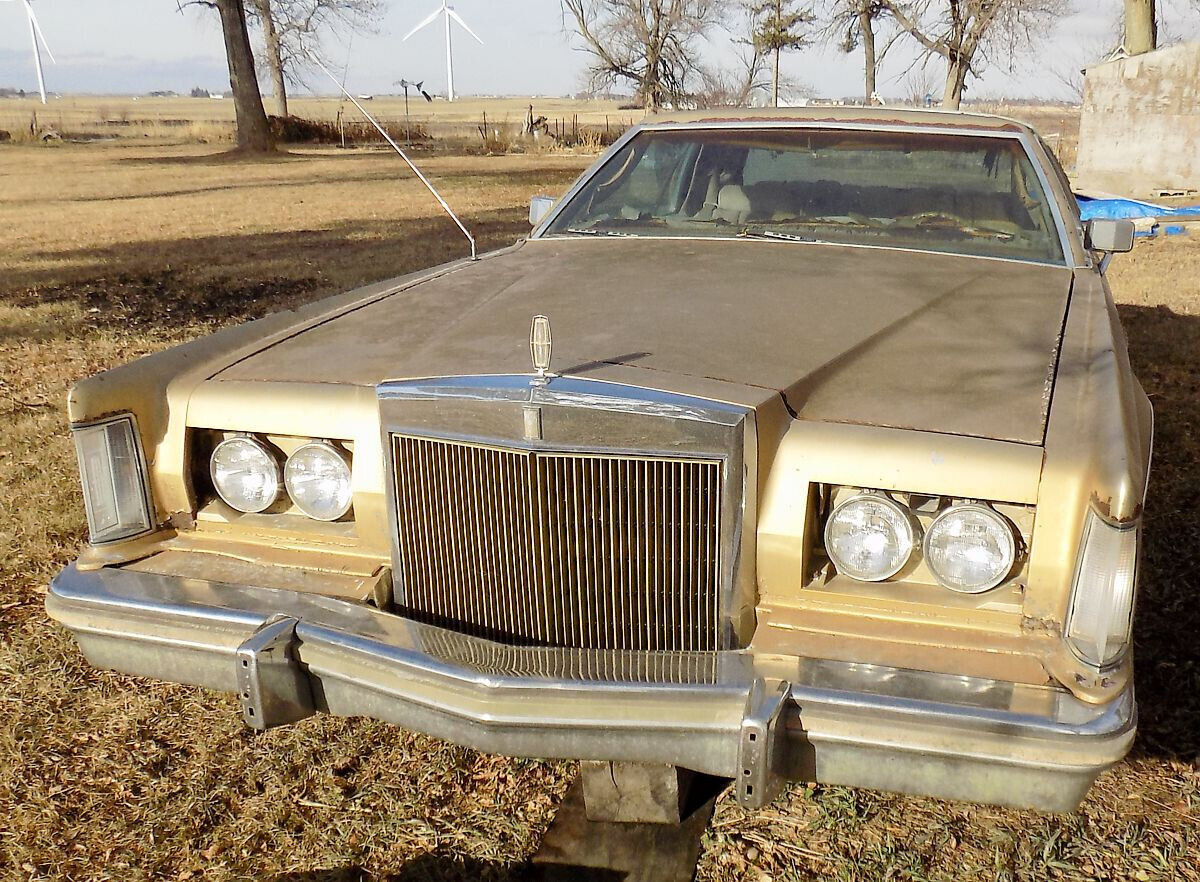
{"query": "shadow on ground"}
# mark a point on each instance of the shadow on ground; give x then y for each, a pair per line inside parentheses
(456, 868)
(162, 285)
(386, 175)
(1162, 347)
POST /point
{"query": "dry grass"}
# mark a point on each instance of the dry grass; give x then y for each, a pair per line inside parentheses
(208, 120)
(111, 251)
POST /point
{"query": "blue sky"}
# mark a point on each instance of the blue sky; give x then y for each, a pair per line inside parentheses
(134, 46)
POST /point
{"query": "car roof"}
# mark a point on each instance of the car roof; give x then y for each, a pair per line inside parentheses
(882, 116)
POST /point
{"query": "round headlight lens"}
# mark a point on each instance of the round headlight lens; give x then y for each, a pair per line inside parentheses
(245, 474)
(970, 548)
(317, 476)
(869, 537)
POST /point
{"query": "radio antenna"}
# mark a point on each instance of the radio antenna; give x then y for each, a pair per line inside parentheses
(424, 180)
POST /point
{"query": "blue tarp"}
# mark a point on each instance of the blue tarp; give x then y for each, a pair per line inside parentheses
(1131, 209)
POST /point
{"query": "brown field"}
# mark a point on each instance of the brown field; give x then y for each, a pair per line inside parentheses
(210, 120)
(109, 251)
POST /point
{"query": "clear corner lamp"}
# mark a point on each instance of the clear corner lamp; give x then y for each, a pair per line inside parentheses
(111, 467)
(1101, 617)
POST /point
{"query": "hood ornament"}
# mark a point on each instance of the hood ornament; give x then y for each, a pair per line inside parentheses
(541, 345)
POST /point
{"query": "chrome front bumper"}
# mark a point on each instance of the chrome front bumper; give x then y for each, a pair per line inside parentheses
(759, 720)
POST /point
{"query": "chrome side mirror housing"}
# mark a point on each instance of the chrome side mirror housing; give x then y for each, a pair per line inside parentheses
(1110, 236)
(539, 207)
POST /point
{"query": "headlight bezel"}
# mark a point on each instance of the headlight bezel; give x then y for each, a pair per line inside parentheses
(1008, 530)
(905, 516)
(328, 447)
(146, 522)
(271, 457)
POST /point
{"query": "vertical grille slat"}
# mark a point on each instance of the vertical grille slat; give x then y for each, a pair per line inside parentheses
(582, 550)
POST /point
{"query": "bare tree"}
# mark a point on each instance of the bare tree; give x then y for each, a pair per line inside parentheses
(779, 26)
(964, 32)
(294, 31)
(1141, 26)
(853, 23)
(654, 45)
(274, 53)
(734, 86)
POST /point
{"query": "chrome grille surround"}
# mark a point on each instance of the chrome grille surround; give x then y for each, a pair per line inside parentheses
(579, 514)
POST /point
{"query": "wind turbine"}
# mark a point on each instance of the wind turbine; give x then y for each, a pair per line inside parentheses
(447, 12)
(39, 42)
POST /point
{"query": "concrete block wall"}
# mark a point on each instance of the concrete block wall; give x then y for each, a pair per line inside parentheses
(1140, 128)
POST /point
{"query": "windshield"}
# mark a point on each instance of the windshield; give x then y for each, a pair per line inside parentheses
(966, 194)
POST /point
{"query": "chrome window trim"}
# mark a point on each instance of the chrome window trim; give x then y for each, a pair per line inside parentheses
(1073, 255)
(738, 587)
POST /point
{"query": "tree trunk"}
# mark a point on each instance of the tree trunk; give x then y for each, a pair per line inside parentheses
(775, 79)
(866, 29)
(956, 78)
(652, 83)
(274, 56)
(253, 132)
(1141, 27)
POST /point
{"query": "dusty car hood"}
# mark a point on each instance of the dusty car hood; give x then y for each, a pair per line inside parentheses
(940, 343)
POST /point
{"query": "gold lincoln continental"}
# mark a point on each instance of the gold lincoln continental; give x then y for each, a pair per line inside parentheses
(795, 445)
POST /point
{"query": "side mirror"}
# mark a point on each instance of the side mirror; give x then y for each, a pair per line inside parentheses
(539, 207)
(1110, 236)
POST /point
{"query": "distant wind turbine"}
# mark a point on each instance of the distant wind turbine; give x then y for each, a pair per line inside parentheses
(447, 12)
(39, 42)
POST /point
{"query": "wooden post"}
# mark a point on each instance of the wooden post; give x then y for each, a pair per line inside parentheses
(1141, 27)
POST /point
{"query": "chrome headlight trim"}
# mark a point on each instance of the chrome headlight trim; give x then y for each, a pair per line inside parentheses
(908, 538)
(1007, 531)
(330, 450)
(270, 457)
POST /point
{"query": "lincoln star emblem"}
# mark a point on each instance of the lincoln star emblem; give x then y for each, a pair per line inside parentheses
(540, 346)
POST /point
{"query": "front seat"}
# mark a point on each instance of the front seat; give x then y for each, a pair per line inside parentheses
(733, 205)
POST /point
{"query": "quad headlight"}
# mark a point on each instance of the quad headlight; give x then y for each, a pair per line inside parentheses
(970, 548)
(870, 537)
(317, 476)
(245, 474)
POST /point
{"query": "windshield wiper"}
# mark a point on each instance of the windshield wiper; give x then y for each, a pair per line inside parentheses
(775, 234)
(592, 231)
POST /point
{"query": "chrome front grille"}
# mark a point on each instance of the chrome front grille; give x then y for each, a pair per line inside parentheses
(592, 551)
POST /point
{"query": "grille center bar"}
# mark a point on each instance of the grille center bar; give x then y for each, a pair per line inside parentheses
(571, 549)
